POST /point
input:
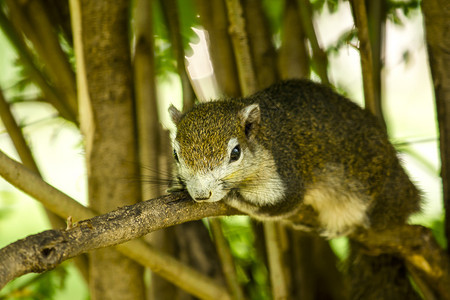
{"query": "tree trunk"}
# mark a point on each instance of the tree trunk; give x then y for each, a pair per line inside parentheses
(109, 129)
(437, 27)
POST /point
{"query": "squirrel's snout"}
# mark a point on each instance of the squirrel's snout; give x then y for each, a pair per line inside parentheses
(204, 188)
(200, 198)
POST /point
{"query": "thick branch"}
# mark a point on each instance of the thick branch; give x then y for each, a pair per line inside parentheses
(420, 250)
(46, 250)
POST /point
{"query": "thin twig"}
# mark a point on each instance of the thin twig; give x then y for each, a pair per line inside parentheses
(51, 94)
(319, 56)
(32, 19)
(365, 52)
(226, 259)
(16, 135)
(213, 17)
(172, 18)
(241, 48)
(275, 255)
(145, 93)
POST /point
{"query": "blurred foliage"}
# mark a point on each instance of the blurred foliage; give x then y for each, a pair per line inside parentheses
(7, 200)
(251, 269)
(395, 10)
(347, 38)
(437, 226)
(36, 287)
(331, 5)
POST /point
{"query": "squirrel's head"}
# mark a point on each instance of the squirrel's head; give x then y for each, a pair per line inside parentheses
(213, 147)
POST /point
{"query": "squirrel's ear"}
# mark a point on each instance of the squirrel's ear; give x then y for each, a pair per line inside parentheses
(175, 114)
(250, 117)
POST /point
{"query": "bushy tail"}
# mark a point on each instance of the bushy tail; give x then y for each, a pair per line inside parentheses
(382, 277)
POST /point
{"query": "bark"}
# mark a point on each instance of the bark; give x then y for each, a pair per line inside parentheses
(293, 60)
(437, 28)
(263, 54)
(371, 94)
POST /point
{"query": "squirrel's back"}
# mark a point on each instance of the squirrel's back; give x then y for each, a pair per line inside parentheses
(293, 145)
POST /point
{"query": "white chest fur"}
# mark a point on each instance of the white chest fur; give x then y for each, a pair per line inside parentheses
(340, 203)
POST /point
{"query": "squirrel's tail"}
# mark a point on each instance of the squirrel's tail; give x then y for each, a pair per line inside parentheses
(379, 277)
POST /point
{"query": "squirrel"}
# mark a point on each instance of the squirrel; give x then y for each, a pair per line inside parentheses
(293, 146)
(298, 148)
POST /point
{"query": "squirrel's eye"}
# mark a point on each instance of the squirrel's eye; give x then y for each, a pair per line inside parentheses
(175, 155)
(235, 153)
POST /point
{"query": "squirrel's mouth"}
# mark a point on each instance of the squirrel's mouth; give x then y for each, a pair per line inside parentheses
(207, 196)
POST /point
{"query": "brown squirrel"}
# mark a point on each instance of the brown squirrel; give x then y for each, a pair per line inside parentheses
(293, 146)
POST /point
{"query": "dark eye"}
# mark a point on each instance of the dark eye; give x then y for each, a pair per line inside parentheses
(235, 153)
(175, 155)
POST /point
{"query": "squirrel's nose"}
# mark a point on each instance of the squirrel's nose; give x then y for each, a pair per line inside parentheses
(203, 198)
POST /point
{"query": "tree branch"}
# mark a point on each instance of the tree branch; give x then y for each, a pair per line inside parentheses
(365, 51)
(213, 17)
(417, 246)
(293, 59)
(172, 19)
(247, 77)
(26, 57)
(226, 259)
(32, 19)
(319, 56)
(26, 156)
(46, 250)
